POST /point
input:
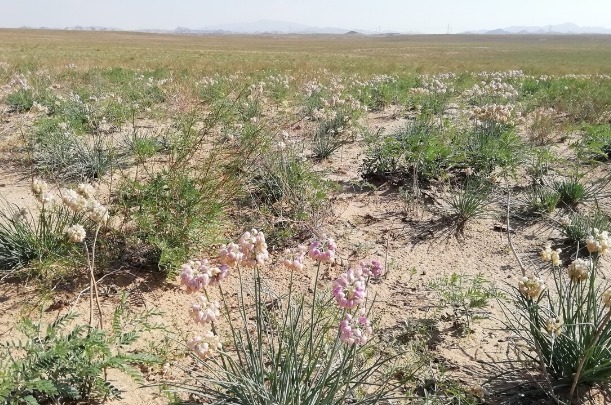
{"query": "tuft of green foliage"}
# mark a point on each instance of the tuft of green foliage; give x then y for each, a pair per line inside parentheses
(470, 202)
(24, 238)
(59, 363)
(580, 225)
(21, 100)
(466, 296)
(419, 151)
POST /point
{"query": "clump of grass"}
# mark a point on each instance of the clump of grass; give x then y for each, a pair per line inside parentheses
(573, 191)
(26, 238)
(579, 225)
(420, 151)
(541, 200)
(466, 204)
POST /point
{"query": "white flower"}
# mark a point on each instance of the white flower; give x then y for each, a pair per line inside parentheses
(45, 198)
(39, 186)
(73, 200)
(579, 270)
(205, 311)
(205, 346)
(99, 213)
(86, 190)
(76, 233)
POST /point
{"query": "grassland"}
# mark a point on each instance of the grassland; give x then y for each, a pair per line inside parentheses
(399, 54)
(423, 213)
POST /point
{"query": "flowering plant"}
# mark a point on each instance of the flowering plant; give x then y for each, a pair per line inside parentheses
(286, 348)
(567, 329)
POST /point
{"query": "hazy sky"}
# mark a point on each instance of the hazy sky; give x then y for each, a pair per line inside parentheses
(427, 16)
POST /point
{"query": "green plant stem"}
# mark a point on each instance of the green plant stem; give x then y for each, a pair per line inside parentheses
(93, 285)
(599, 332)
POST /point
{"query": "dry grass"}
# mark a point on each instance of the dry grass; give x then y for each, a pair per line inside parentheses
(399, 54)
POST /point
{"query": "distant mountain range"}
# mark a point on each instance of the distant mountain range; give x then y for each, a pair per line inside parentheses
(284, 27)
(567, 28)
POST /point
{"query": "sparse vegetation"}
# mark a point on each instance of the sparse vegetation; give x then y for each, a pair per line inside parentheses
(308, 140)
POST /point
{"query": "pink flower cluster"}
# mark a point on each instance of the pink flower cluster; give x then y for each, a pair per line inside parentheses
(350, 289)
(295, 258)
(205, 311)
(372, 268)
(355, 329)
(199, 274)
(250, 251)
(323, 252)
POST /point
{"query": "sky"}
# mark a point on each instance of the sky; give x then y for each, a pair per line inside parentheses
(425, 16)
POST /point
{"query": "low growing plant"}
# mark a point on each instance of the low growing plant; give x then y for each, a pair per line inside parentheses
(467, 296)
(60, 363)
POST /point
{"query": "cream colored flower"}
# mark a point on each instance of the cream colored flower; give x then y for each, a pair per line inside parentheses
(531, 287)
(546, 253)
(73, 200)
(98, 212)
(86, 190)
(76, 233)
(39, 187)
(555, 257)
(553, 326)
(579, 270)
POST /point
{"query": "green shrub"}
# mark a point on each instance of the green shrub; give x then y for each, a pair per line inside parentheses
(466, 296)
(21, 100)
(420, 151)
(61, 364)
(60, 152)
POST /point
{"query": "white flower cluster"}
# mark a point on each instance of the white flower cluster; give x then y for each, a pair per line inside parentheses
(531, 287)
(579, 270)
(494, 88)
(76, 233)
(598, 241)
(434, 84)
(493, 113)
(40, 189)
(509, 74)
(205, 346)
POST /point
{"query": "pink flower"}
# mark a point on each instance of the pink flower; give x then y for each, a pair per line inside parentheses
(205, 311)
(355, 331)
(199, 274)
(295, 258)
(323, 252)
(349, 289)
(372, 268)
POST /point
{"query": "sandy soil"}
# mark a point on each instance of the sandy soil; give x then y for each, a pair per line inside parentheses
(367, 223)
